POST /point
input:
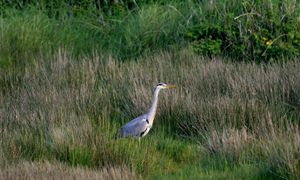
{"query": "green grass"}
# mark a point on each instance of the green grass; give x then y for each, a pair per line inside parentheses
(71, 75)
(124, 37)
(241, 30)
(224, 120)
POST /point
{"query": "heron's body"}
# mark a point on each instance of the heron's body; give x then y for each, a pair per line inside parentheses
(137, 127)
(141, 125)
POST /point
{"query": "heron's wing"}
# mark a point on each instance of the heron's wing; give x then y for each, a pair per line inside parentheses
(136, 120)
(135, 127)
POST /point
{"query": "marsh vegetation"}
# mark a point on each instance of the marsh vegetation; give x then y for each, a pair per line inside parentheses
(70, 76)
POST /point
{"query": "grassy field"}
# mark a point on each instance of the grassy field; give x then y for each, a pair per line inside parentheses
(225, 120)
(71, 75)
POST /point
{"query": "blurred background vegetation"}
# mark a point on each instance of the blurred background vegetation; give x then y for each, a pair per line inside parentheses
(259, 30)
(72, 72)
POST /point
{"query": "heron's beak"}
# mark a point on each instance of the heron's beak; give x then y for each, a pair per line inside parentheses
(170, 86)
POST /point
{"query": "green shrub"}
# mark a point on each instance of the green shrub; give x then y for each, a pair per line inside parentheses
(252, 30)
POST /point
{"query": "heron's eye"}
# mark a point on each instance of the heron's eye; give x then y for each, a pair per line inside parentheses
(161, 84)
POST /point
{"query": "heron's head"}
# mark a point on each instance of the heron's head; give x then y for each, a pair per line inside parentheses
(164, 85)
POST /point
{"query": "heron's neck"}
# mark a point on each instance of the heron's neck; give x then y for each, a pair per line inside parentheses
(152, 110)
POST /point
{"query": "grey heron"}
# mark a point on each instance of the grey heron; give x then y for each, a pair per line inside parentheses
(141, 125)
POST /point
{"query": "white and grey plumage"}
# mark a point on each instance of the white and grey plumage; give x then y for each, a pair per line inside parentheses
(141, 125)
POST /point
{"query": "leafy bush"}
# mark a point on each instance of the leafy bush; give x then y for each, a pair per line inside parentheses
(260, 30)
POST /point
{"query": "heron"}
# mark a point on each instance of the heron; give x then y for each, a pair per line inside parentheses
(140, 126)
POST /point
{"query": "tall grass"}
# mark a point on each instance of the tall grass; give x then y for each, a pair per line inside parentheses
(66, 88)
(244, 30)
(47, 170)
(126, 36)
(223, 120)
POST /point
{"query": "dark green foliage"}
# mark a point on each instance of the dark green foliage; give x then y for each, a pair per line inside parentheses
(260, 30)
(58, 8)
(252, 30)
(207, 40)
